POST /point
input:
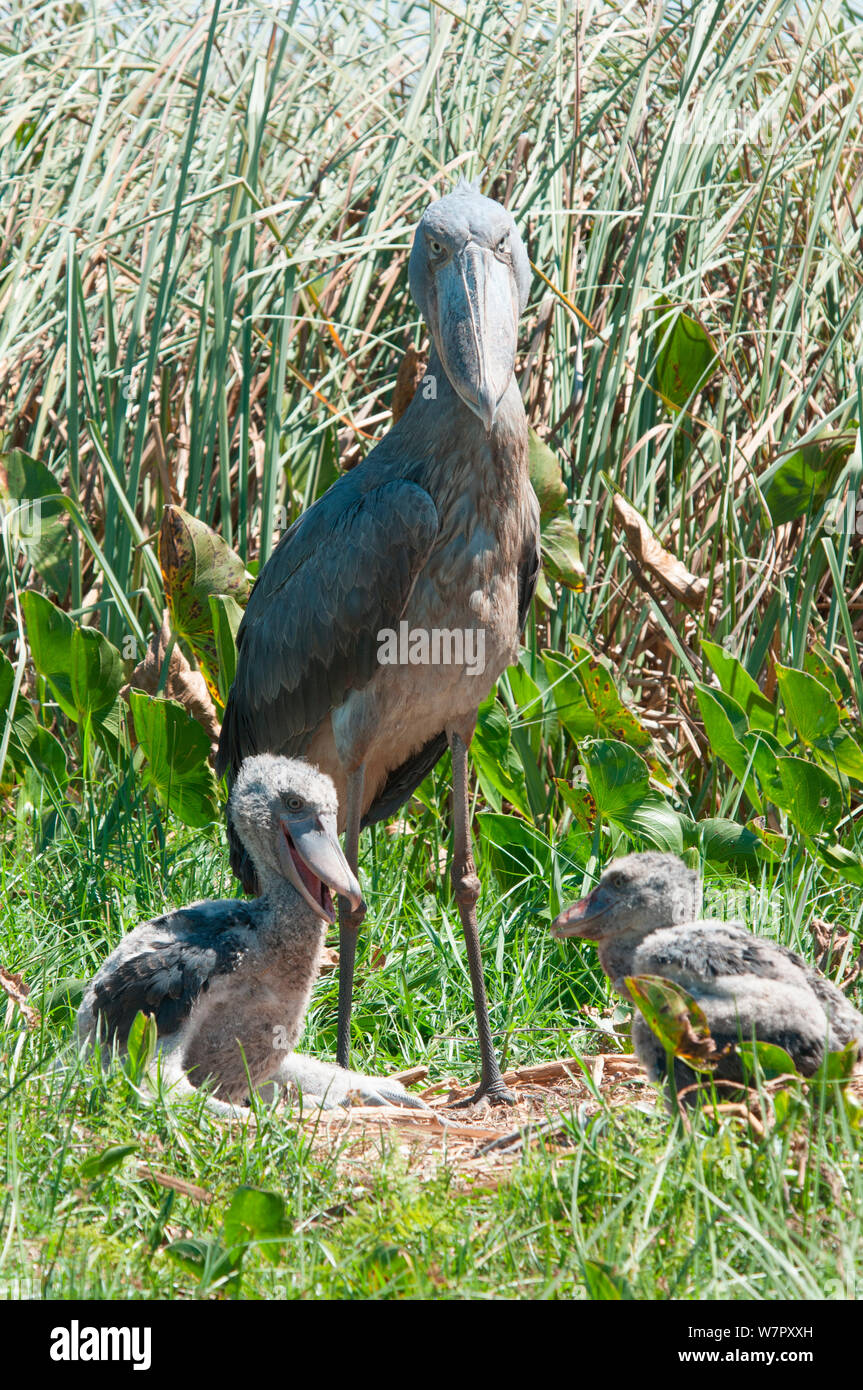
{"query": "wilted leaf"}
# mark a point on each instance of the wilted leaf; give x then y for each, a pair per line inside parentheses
(15, 988)
(652, 556)
(675, 1018)
(196, 562)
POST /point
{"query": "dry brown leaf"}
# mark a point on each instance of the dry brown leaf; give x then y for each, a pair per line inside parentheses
(183, 684)
(831, 944)
(329, 961)
(653, 557)
(17, 990)
(412, 369)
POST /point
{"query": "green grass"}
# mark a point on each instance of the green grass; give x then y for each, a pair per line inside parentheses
(635, 1207)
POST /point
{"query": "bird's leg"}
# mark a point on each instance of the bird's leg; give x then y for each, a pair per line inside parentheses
(466, 888)
(349, 918)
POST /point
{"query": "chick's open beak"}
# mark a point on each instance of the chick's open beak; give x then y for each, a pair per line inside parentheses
(313, 861)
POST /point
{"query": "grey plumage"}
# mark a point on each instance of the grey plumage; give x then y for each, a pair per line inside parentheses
(228, 982)
(438, 527)
(643, 917)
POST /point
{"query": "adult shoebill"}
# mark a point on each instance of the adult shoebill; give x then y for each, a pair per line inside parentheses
(437, 528)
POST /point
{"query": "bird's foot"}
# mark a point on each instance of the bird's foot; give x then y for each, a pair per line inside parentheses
(379, 1090)
(494, 1092)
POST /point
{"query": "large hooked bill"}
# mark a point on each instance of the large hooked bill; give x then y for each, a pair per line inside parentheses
(476, 329)
(313, 860)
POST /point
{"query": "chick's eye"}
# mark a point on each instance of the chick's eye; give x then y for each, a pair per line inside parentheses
(618, 880)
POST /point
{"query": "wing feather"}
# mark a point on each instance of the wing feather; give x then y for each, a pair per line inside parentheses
(344, 571)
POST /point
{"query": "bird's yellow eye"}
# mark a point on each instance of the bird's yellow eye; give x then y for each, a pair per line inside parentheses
(435, 247)
(293, 803)
(503, 245)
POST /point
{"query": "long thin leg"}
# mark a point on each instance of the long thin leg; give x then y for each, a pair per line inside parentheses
(349, 919)
(466, 888)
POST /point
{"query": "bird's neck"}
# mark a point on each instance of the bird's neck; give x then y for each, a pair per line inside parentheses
(615, 956)
(446, 438)
(282, 909)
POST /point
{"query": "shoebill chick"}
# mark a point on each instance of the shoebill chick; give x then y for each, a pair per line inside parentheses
(228, 982)
(644, 917)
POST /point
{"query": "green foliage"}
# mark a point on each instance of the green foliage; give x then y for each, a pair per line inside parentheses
(177, 751)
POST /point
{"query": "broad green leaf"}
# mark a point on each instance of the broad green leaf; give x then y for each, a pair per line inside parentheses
(616, 774)
(29, 492)
(105, 1162)
(259, 1216)
(30, 746)
(546, 476)
(736, 681)
(812, 712)
(531, 707)
(841, 751)
(141, 1046)
(573, 708)
(811, 799)
(723, 841)
(196, 562)
(837, 1066)
(96, 672)
(560, 545)
(497, 764)
(652, 819)
(799, 483)
(81, 666)
(49, 634)
(675, 1018)
(725, 726)
(687, 358)
(225, 618)
(177, 751)
(772, 1061)
(849, 865)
